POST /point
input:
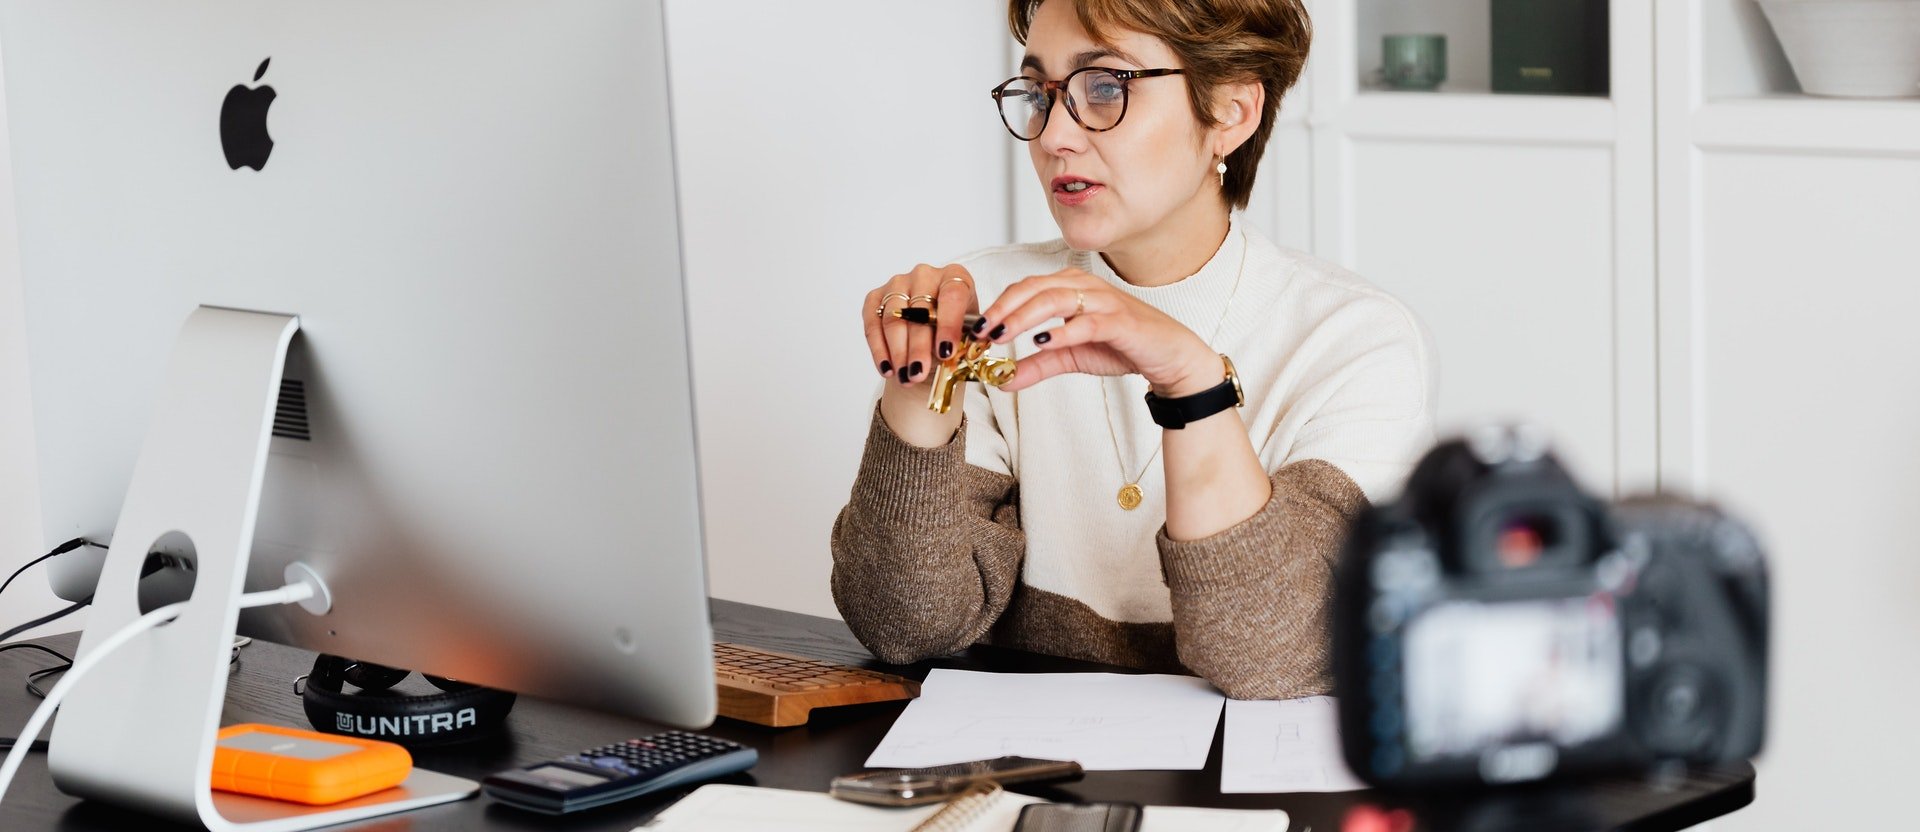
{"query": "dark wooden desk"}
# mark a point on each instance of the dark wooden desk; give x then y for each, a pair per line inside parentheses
(836, 742)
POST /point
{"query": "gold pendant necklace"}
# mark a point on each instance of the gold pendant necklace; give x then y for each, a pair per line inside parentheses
(1131, 495)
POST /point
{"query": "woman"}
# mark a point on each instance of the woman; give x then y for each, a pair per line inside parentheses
(1035, 517)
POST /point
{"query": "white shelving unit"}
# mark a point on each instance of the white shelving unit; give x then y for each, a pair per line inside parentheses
(1463, 22)
(1730, 87)
(1705, 282)
(1789, 385)
(1516, 226)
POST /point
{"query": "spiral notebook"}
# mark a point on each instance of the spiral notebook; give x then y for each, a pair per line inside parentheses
(722, 807)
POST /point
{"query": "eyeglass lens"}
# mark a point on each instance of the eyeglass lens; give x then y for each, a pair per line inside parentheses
(1095, 98)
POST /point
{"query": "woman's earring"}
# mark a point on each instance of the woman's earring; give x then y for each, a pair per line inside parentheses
(1222, 170)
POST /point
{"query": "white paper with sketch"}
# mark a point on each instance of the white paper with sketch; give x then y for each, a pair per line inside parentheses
(1103, 721)
(1290, 745)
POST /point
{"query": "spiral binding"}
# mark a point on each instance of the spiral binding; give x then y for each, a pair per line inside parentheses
(961, 810)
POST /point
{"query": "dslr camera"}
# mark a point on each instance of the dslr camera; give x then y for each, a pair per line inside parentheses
(1498, 625)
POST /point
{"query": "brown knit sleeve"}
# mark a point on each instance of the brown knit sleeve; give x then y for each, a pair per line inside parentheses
(1251, 604)
(928, 549)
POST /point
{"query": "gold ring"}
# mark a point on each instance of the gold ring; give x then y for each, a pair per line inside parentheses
(960, 280)
(1079, 303)
(881, 310)
(918, 298)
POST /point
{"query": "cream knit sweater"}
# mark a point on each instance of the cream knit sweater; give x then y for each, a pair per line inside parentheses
(1012, 533)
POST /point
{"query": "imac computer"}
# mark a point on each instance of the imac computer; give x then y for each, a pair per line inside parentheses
(388, 295)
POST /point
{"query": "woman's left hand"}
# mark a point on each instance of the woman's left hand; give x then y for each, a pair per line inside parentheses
(1107, 333)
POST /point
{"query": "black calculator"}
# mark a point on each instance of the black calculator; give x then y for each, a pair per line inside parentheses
(612, 773)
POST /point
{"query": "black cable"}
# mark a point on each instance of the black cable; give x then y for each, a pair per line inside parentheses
(57, 551)
(28, 645)
(153, 564)
(33, 679)
(56, 616)
(49, 618)
(7, 743)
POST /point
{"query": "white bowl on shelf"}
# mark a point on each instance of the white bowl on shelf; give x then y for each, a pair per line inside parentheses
(1850, 48)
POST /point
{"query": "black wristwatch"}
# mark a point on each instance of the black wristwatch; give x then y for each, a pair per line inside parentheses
(1178, 412)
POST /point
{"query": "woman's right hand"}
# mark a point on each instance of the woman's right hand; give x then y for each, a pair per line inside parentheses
(907, 353)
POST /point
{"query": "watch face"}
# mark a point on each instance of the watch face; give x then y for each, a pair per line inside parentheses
(1239, 396)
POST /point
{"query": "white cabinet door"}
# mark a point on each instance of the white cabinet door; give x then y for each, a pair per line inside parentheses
(1519, 228)
(1790, 390)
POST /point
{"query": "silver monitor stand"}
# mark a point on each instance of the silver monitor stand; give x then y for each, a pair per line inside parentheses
(196, 483)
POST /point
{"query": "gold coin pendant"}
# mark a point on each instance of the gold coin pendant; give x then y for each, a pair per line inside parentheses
(1129, 496)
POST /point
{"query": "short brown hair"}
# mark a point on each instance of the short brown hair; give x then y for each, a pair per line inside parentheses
(1218, 42)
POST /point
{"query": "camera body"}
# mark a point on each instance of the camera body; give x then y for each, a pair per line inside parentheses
(1498, 625)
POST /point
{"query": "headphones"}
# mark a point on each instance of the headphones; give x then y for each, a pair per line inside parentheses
(459, 713)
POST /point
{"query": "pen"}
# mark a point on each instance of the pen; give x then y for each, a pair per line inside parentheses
(923, 315)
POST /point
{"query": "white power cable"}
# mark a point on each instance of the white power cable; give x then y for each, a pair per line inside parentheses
(290, 594)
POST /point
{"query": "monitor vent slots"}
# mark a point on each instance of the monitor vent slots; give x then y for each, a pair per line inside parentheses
(290, 417)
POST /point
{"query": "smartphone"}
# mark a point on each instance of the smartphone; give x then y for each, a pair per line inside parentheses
(1079, 817)
(916, 786)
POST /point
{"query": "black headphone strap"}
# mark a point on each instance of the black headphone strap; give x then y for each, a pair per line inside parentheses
(434, 719)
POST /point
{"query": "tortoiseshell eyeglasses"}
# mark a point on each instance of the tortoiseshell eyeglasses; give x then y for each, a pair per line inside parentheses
(1096, 98)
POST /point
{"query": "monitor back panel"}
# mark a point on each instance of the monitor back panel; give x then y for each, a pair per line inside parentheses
(487, 440)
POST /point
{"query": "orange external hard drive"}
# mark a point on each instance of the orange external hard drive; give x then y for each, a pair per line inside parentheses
(305, 766)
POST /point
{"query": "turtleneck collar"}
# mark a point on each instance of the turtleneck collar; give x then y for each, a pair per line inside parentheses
(1197, 301)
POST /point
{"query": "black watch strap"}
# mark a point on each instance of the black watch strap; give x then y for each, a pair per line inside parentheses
(1177, 412)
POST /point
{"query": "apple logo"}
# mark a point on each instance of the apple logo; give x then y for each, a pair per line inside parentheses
(243, 124)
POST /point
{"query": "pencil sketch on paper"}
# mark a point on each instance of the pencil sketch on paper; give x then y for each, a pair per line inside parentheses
(1284, 746)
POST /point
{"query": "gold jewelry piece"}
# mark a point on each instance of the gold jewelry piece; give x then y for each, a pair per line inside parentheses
(971, 363)
(960, 280)
(1222, 170)
(881, 310)
(1079, 303)
(1131, 495)
(918, 298)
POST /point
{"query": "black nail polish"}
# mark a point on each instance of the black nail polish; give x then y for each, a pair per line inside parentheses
(886, 367)
(916, 368)
(946, 350)
(1043, 337)
(979, 325)
(903, 375)
(997, 332)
